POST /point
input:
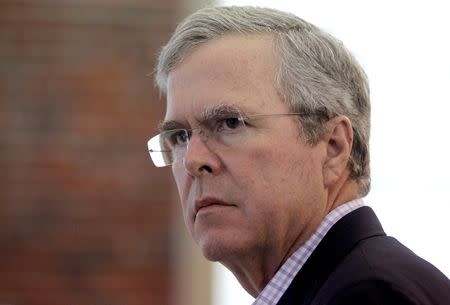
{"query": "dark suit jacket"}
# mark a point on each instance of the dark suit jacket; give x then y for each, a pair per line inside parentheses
(356, 263)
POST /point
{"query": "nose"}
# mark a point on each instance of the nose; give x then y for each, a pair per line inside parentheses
(200, 159)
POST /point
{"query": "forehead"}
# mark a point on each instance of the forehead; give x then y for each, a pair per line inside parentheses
(238, 70)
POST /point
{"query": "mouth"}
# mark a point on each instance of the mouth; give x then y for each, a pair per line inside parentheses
(206, 203)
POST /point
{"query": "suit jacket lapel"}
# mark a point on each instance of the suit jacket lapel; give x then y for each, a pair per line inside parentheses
(337, 243)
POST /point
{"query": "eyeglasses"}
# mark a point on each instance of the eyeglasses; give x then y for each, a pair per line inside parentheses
(218, 131)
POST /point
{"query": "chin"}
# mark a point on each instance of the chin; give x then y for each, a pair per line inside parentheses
(214, 250)
(219, 248)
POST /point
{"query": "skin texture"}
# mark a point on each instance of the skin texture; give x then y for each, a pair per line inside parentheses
(273, 190)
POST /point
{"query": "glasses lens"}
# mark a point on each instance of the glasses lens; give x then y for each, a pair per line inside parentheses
(159, 157)
(167, 147)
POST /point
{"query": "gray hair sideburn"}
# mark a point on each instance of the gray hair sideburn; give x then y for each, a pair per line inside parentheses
(317, 75)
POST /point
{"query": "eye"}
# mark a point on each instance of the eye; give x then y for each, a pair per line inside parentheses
(229, 124)
(181, 137)
(176, 138)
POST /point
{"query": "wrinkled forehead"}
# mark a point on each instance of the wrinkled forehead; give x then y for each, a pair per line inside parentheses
(232, 71)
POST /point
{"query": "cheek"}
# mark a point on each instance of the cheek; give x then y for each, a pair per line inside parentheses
(278, 174)
(177, 175)
(183, 183)
(270, 167)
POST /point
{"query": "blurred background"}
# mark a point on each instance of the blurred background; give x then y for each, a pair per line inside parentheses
(85, 218)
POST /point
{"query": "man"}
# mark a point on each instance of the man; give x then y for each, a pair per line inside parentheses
(266, 131)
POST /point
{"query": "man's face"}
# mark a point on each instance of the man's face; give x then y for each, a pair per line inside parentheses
(264, 195)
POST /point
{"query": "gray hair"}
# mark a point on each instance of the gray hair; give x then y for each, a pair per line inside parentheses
(317, 75)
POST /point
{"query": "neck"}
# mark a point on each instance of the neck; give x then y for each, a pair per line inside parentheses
(255, 272)
(344, 190)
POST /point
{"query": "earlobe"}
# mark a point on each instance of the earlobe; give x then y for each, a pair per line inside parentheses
(339, 141)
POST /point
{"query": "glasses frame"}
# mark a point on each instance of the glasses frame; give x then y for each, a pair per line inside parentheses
(158, 156)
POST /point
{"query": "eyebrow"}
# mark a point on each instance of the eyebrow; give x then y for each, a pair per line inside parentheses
(169, 125)
(210, 113)
(219, 111)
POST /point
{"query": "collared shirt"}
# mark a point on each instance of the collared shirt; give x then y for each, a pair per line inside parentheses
(278, 285)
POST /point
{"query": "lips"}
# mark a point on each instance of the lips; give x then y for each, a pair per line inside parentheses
(208, 201)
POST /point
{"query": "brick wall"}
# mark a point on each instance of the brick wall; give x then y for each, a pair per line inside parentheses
(83, 214)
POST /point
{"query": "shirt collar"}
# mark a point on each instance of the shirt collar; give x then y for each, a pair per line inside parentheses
(277, 286)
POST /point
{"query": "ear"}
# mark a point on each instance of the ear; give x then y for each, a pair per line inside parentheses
(338, 140)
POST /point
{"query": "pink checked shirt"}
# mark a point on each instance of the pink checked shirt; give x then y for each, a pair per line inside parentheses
(273, 291)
